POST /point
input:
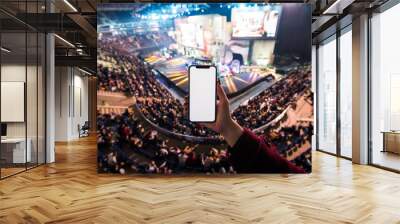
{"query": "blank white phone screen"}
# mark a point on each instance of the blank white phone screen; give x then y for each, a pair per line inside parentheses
(202, 92)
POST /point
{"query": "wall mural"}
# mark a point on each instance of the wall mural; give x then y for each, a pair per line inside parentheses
(262, 53)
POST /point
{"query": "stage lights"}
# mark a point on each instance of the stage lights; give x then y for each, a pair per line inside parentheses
(154, 16)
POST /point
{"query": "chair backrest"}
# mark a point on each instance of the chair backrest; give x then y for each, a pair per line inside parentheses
(84, 127)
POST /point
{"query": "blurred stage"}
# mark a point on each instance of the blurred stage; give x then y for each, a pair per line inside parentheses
(176, 71)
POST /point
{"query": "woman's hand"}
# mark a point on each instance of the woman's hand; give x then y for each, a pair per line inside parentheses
(223, 114)
(224, 124)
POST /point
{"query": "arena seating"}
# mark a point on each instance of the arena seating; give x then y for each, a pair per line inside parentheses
(134, 78)
(128, 42)
(122, 136)
(128, 76)
(168, 113)
(290, 139)
(126, 145)
(269, 104)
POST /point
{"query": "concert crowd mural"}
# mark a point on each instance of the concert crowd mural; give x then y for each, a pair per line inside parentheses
(262, 53)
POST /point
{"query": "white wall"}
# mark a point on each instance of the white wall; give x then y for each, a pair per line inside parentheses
(71, 102)
(9, 73)
(360, 90)
(62, 82)
(33, 127)
(16, 72)
(80, 112)
(50, 94)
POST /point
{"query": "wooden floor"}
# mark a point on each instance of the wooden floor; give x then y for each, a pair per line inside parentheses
(70, 191)
(5, 172)
(386, 159)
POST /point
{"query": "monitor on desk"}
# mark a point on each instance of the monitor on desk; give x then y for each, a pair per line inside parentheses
(3, 130)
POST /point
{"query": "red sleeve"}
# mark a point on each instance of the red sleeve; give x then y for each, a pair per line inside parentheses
(251, 154)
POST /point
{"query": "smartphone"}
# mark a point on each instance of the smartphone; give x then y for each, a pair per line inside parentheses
(202, 93)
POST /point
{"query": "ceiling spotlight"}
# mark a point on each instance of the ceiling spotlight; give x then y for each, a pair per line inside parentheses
(64, 40)
(84, 71)
(70, 5)
(5, 50)
(337, 7)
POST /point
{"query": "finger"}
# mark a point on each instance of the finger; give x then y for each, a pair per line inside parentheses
(221, 93)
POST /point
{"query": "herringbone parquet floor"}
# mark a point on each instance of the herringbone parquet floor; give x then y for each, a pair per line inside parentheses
(70, 191)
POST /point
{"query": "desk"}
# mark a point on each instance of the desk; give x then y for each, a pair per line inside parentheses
(391, 141)
(13, 150)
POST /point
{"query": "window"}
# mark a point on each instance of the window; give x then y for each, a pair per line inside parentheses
(22, 75)
(327, 96)
(346, 93)
(385, 89)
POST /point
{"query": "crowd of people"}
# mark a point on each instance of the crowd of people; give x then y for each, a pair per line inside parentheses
(133, 77)
(128, 41)
(290, 139)
(168, 113)
(125, 145)
(304, 161)
(120, 70)
(128, 75)
(149, 39)
(266, 106)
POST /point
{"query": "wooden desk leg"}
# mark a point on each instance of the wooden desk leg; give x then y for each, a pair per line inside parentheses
(384, 142)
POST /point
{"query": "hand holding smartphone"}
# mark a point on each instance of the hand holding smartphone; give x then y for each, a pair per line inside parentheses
(202, 93)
